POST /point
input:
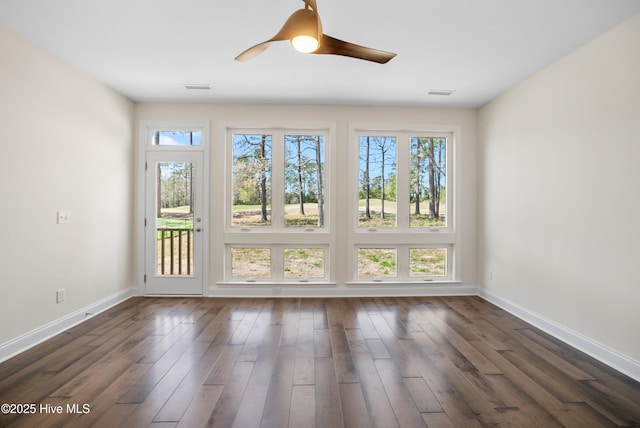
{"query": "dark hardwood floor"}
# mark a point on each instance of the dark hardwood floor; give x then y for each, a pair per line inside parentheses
(359, 362)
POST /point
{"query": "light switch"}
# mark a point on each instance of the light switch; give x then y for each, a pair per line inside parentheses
(64, 217)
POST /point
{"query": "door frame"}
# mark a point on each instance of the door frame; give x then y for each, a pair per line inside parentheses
(144, 146)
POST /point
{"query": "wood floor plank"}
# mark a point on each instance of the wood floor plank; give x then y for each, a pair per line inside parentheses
(391, 341)
(146, 411)
(201, 406)
(457, 410)
(304, 371)
(222, 368)
(345, 369)
(278, 403)
(354, 408)
(464, 346)
(302, 412)
(438, 420)
(102, 403)
(252, 405)
(422, 396)
(327, 394)
(541, 396)
(405, 409)
(226, 409)
(313, 362)
(373, 390)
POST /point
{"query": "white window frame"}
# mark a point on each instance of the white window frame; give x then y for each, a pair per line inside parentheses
(277, 236)
(277, 265)
(403, 236)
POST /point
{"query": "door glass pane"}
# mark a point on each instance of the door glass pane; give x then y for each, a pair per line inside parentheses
(377, 262)
(377, 186)
(427, 262)
(428, 182)
(304, 263)
(176, 138)
(250, 262)
(304, 181)
(251, 180)
(174, 218)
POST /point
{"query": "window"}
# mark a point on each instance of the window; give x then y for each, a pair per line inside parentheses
(377, 190)
(428, 178)
(402, 204)
(251, 176)
(277, 227)
(300, 170)
(304, 263)
(377, 263)
(396, 207)
(176, 138)
(297, 263)
(427, 263)
(304, 180)
(248, 262)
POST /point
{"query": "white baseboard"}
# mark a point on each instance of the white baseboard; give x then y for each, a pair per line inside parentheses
(311, 291)
(600, 352)
(39, 335)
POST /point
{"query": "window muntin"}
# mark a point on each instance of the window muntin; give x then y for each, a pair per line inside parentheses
(304, 179)
(428, 182)
(176, 137)
(251, 180)
(377, 181)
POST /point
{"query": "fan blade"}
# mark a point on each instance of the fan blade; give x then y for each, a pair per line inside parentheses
(333, 46)
(254, 51)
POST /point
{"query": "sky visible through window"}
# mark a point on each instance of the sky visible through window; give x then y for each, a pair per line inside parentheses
(177, 138)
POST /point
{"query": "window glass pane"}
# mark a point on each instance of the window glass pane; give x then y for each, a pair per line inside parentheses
(427, 262)
(174, 218)
(176, 138)
(377, 262)
(304, 180)
(304, 262)
(251, 262)
(251, 180)
(377, 190)
(428, 182)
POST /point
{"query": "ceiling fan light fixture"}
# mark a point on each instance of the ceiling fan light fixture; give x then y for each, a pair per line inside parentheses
(304, 30)
(304, 43)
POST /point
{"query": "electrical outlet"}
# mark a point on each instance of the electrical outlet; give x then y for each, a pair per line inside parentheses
(60, 295)
(64, 217)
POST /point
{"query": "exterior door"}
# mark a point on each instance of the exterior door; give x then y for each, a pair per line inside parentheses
(173, 223)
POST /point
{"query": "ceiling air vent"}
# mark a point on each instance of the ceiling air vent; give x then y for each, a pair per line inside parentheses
(442, 92)
(204, 86)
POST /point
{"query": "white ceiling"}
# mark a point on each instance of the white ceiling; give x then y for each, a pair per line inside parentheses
(148, 49)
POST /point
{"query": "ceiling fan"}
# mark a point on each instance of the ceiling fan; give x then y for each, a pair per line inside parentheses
(304, 30)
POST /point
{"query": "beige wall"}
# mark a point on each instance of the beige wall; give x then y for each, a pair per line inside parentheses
(341, 117)
(66, 145)
(559, 201)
